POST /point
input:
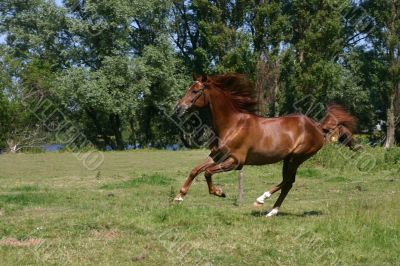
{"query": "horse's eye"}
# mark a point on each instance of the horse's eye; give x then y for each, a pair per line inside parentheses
(194, 92)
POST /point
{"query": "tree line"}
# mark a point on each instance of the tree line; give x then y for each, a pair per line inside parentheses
(115, 69)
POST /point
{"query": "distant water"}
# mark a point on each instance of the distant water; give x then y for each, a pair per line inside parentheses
(52, 147)
(59, 147)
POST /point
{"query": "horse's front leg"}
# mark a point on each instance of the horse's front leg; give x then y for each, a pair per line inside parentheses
(195, 171)
(229, 164)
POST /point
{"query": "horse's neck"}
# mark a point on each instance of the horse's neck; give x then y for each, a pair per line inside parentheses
(224, 116)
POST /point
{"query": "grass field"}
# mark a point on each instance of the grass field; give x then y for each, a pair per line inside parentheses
(54, 211)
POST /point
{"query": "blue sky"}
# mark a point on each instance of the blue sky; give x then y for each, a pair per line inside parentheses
(58, 2)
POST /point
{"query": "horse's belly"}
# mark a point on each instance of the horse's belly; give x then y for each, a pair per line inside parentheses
(260, 158)
(272, 148)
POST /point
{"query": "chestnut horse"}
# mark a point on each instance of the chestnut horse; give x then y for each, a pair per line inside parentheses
(244, 138)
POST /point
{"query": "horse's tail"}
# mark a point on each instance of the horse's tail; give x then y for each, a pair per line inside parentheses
(339, 120)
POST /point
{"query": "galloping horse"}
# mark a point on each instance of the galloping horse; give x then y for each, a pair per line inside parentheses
(245, 138)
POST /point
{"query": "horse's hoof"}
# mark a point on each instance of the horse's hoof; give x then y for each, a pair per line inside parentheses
(257, 204)
(273, 212)
(219, 193)
(178, 199)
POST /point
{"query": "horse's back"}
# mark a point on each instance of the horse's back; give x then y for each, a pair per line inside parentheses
(274, 139)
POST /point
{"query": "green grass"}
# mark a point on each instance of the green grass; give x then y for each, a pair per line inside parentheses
(342, 210)
(154, 179)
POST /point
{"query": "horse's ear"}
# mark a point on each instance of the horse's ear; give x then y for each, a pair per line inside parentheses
(204, 78)
(194, 76)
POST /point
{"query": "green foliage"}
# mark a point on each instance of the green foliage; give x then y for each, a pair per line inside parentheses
(392, 156)
(386, 43)
(210, 35)
(116, 68)
(165, 79)
(366, 159)
(4, 120)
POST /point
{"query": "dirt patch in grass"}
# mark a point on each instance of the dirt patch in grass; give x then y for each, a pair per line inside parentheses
(13, 242)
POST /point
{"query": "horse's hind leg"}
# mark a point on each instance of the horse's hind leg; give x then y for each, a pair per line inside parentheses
(289, 175)
(260, 200)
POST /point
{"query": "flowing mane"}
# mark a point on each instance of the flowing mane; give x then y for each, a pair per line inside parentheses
(338, 115)
(239, 90)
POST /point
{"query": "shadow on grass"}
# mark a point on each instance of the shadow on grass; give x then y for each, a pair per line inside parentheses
(305, 214)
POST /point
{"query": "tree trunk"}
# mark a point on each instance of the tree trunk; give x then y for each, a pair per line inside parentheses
(275, 88)
(116, 122)
(261, 83)
(267, 84)
(394, 73)
(301, 56)
(107, 141)
(132, 137)
(391, 121)
(12, 146)
(146, 126)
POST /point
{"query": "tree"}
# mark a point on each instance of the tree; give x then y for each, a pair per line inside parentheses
(386, 42)
(93, 49)
(29, 56)
(270, 30)
(12, 114)
(314, 68)
(4, 121)
(210, 35)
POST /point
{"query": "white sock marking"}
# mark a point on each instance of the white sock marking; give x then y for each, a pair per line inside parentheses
(272, 212)
(264, 196)
(178, 198)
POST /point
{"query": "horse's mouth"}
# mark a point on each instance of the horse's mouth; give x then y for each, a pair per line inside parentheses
(180, 110)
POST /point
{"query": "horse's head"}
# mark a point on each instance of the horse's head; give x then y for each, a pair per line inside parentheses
(196, 97)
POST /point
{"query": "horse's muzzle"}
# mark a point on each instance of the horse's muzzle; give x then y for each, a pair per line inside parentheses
(180, 109)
